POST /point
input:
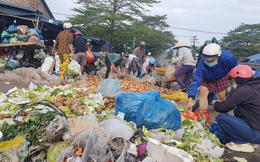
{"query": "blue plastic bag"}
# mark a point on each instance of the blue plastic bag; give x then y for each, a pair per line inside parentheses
(216, 129)
(12, 64)
(12, 29)
(129, 103)
(158, 113)
(109, 88)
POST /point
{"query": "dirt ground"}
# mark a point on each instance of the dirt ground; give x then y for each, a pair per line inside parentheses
(228, 155)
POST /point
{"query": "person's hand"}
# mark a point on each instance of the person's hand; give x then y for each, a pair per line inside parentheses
(189, 106)
(171, 63)
(53, 52)
(214, 101)
(115, 69)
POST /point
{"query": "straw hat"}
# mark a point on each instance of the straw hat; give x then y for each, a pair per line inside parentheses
(180, 44)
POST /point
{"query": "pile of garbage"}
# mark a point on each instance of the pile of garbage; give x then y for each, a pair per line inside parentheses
(28, 75)
(96, 120)
(21, 33)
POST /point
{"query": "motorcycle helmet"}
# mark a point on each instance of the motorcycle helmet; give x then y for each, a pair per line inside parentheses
(151, 61)
(207, 42)
(242, 71)
(142, 43)
(211, 51)
(88, 40)
(67, 25)
(77, 33)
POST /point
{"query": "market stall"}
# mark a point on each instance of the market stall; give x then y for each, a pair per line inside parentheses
(28, 47)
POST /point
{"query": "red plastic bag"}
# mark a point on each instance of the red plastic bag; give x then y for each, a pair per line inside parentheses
(90, 57)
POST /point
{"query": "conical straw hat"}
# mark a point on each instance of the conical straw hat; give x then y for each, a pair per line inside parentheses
(180, 44)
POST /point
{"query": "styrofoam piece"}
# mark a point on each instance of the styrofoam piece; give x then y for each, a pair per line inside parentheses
(164, 153)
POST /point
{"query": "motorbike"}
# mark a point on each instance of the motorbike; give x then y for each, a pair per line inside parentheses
(94, 63)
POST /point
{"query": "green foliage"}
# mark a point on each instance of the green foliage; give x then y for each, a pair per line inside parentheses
(124, 24)
(243, 41)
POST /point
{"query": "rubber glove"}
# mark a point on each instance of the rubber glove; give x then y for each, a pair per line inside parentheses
(115, 69)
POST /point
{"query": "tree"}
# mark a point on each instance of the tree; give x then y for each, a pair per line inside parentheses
(104, 18)
(243, 41)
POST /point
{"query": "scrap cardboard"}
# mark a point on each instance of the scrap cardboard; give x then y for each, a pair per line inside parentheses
(77, 125)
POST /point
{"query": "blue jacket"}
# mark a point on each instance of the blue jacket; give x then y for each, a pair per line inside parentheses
(225, 63)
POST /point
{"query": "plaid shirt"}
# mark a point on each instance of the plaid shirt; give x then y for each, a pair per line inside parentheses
(64, 39)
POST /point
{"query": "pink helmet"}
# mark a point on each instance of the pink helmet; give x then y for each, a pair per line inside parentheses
(242, 71)
(78, 33)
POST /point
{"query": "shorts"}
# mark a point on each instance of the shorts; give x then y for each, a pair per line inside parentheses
(80, 58)
(216, 86)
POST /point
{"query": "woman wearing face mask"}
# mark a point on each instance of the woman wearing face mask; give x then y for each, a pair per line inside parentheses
(243, 128)
(211, 75)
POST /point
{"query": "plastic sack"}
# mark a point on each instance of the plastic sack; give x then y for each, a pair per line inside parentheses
(73, 68)
(5, 34)
(13, 40)
(12, 64)
(57, 127)
(216, 129)
(158, 113)
(47, 65)
(33, 39)
(22, 29)
(39, 54)
(22, 37)
(14, 150)
(32, 32)
(12, 29)
(57, 65)
(90, 57)
(117, 129)
(56, 149)
(129, 103)
(169, 72)
(109, 88)
(100, 151)
(86, 140)
(5, 41)
(148, 79)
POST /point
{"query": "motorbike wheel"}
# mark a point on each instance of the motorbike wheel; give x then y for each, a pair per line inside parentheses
(91, 70)
(195, 102)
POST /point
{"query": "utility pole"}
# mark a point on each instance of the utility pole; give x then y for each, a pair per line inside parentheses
(194, 40)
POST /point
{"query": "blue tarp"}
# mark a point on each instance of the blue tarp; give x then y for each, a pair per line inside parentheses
(254, 58)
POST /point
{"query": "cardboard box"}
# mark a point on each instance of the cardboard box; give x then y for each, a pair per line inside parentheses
(77, 125)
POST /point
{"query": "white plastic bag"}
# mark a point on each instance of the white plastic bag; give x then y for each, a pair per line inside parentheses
(117, 129)
(48, 65)
(169, 72)
(57, 65)
(73, 68)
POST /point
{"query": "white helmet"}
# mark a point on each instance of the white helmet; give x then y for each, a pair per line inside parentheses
(211, 51)
(67, 25)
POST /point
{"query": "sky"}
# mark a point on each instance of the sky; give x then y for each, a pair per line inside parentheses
(209, 18)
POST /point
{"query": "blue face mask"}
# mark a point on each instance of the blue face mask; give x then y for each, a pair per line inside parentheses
(212, 64)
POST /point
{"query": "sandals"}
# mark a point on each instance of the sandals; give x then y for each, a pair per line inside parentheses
(242, 148)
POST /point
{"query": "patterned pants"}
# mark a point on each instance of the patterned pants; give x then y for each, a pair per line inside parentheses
(64, 62)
